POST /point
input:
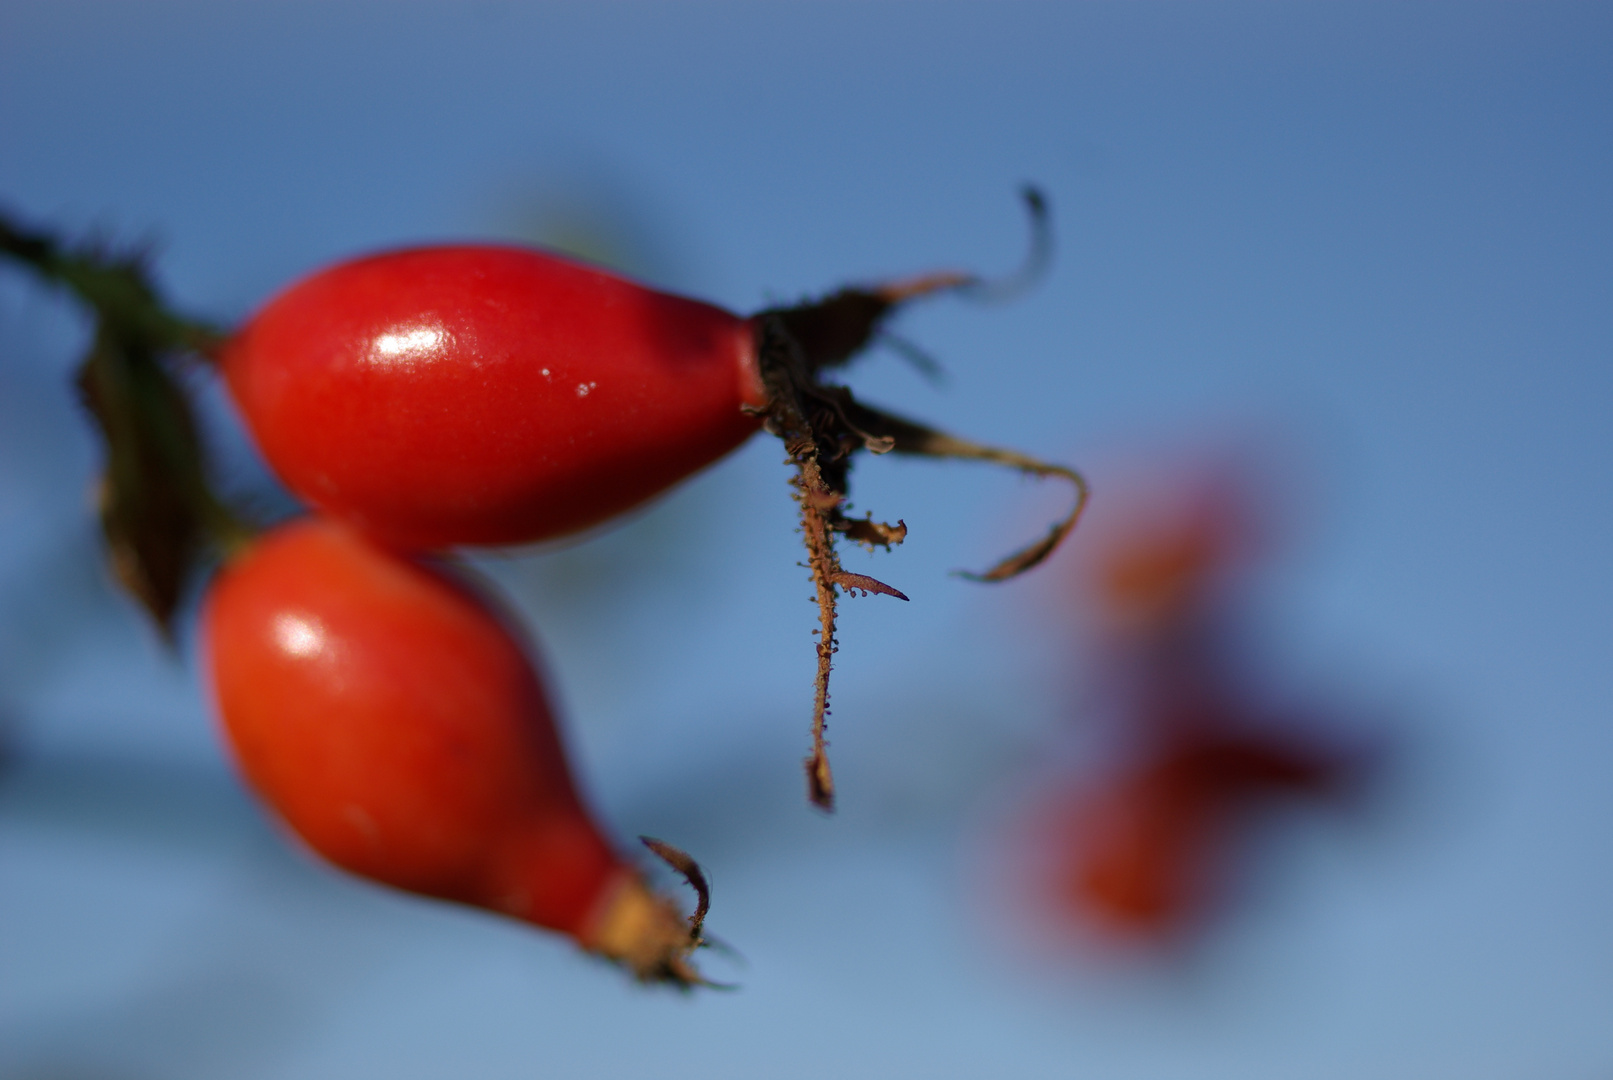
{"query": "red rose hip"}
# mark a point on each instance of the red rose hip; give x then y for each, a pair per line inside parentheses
(397, 726)
(486, 394)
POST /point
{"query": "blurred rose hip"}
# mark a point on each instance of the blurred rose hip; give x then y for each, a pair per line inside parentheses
(395, 723)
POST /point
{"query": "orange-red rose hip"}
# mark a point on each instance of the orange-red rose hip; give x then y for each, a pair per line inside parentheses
(396, 725)
(481, 394)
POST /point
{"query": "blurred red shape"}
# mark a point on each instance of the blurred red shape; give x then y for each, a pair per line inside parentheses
(1143, 851)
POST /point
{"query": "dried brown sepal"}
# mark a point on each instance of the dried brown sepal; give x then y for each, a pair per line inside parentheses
(643, 931)
(684, 864)
(822, 426)
(905, 289)
(836, 328)
(871, 533)
(911, 437)
(1037, 259)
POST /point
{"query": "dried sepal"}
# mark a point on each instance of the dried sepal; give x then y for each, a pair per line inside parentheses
(1038, 258)
(684, 864)
(833, 330)
(911, 437)
(822, 426)
(871, 533)
(668, 958)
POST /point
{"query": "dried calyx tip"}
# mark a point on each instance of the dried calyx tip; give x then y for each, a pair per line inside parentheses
(822, 426)
(684, 864)
(1038, 258)
(833, 329)
(644, 931)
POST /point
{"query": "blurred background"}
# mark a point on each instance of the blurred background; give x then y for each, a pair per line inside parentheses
(1363, 250)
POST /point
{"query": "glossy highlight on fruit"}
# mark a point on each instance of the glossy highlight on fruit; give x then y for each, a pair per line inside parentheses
(482, 394)
(395, 723)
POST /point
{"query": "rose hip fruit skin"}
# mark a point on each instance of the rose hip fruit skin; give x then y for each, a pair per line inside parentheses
(397, 726)
(482, 394)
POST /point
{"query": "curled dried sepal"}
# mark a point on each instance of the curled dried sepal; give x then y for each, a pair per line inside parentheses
(684, 863)
(910, 437)
(992, 290)
(643, 930)
(836, 328)
(1037, 260)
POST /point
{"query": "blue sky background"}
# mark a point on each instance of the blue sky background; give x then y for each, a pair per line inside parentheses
(1370, 244)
